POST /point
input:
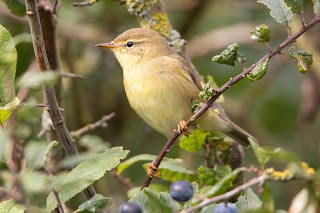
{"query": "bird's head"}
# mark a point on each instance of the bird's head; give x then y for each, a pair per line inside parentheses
(136, 45)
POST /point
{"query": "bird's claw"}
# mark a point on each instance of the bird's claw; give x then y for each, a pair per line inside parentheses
(183, 128)
(154, 172)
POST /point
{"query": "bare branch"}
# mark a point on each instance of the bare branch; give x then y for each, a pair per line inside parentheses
(126, 182)
(85, 3)
(89, 127)
(227, 195)
(49, 92)
(55, 192)
(226, 86)
(70, 75)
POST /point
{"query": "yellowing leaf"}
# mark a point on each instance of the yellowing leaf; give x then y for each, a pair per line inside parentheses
(6, 111)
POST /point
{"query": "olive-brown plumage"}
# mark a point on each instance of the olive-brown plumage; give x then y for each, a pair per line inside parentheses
(160, 85)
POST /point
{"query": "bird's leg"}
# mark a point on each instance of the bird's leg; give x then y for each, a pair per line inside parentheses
(154, 172)
(182, 127)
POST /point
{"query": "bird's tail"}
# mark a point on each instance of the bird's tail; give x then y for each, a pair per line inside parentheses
(215, 121)
(237, 133)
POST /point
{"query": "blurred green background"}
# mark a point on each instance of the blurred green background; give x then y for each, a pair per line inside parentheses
(281, 110)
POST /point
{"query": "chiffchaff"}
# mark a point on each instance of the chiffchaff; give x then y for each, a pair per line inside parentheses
(160, 85)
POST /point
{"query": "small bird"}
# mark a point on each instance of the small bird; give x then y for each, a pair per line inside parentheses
(161, 86)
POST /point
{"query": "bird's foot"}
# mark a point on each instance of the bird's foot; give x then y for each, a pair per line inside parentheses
(154, 172)
(183, 128)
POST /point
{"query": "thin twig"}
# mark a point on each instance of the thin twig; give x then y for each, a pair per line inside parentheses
(70, 75)
(227, 195)
(302, 19)
(85, 3)
(226, 86)
(55, 192)
(101, 122)
(126, 182)
(268, 46)
(49, 92)
(56, 6)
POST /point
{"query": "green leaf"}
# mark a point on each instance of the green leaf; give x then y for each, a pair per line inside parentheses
(207, 175)
(17, 7)
(37, 79)
(35, 161)
(195, 193)
(259, 71)
(264, 154)
(304, 59)
(143, 157)
(295, 5)
(228, 56)
(209, 208)
(261, 34)
(210, 176)
(316, 6)
(74, 160)
(268, 201)
(194, 142)
(94, 143)
(279, 11)
(152, 202)
(5, 145)
(316, 184)
(51, 145)
(174, 169)
(10, 206)
(248, 201)
(36, 182)
(6, 111)
(220, 187)
(85, 174)
(208, 91)
(96, 203)
(8, 64)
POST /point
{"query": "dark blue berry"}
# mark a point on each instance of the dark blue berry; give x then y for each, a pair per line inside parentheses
(181, 190)
(225, 208)
(129, 207)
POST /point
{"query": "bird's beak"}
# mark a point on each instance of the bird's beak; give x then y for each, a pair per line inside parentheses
(110, 45)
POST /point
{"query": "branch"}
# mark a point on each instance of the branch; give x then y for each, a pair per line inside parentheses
(49, 92)
(227, 195)
(85, 3)
(70, 75)
(226, 86)
(126, 182)
(101, 122)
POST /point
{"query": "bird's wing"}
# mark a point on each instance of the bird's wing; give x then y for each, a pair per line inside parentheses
(188, 71)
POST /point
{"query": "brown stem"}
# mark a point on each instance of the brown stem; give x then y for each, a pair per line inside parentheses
(126, 182)
(89, 127)
(85, 3)
(49, 92)
(227, 195)
(226, 86)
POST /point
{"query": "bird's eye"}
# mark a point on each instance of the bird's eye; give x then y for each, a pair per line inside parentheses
(130, 44)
